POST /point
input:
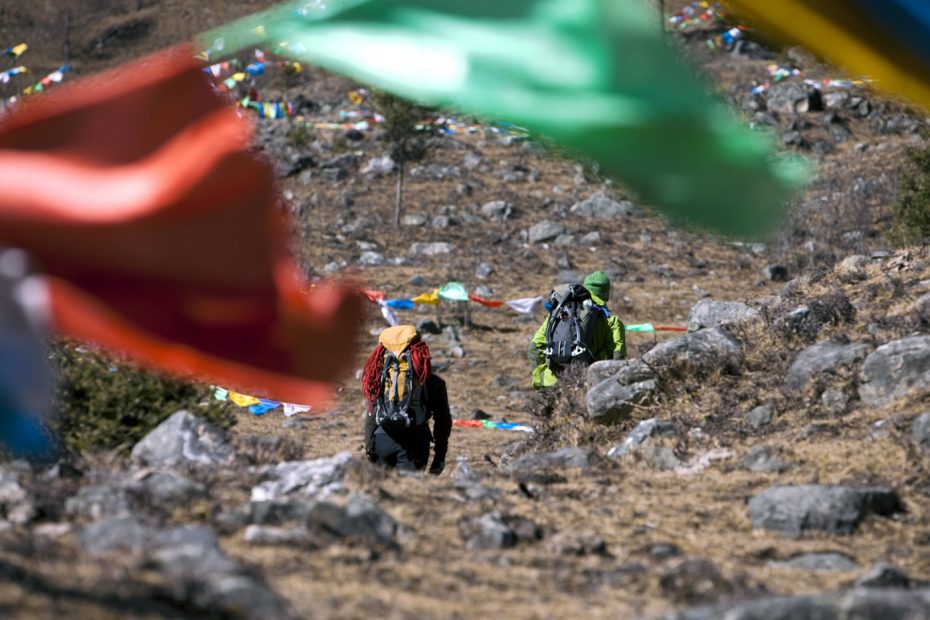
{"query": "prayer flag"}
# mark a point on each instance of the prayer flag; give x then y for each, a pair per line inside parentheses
(134, 189)
(886, 40)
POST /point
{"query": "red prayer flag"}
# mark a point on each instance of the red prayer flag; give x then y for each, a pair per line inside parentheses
(162, 235)
(490, 303)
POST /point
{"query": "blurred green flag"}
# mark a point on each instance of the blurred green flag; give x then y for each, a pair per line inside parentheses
(594, 75)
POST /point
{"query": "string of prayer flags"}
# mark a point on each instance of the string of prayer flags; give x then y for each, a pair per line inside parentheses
(9, 73)
(565, 70)
(650, 328)
(15, 51)
(137, 219)
(54, 77)
(504, 426)
(255, 405)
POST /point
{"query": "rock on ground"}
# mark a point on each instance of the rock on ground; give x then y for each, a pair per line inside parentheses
(565, 458)
(639, 435)
(603, 207)
(546, 230)
(435, 248)
(696, 354)
(820, 358)
(625, 372)
(709, 313)
(894, 369)
(762, 459)
(611, 401)
(760, 416)
(858, 603)
(826, 561)
(189, 560)
(184, 439)
(920, 430)
(835, 509)
(316, 478)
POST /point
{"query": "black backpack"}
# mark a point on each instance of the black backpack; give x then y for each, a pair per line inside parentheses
(573, 316)
(401, 402)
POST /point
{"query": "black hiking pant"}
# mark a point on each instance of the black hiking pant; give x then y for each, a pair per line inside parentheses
(406, 450)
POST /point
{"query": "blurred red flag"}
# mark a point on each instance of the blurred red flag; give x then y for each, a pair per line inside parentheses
(161, 233)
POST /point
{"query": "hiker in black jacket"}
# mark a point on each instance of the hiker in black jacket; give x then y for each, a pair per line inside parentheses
(403, 395)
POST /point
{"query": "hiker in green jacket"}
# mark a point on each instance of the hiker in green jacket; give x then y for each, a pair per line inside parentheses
(605, 338)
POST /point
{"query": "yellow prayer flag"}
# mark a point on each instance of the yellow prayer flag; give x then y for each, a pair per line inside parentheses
(17, 50)
(242, 400)
(238, 76)
(431, 299)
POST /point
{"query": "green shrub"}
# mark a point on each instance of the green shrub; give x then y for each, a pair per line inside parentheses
(104, 403)
(912, 210)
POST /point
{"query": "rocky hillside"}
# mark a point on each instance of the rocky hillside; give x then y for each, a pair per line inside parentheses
(772, 462)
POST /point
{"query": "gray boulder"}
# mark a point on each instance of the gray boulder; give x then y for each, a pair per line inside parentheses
(435, 248)
(858, 603)
(852, 268)
(625, 372)
(378, 166)
(822, 358)
(603, 207)
(546, 230)
(163, 488)
(279, 511)
(710, 313)
(565, 458)
(16, 504)
(790, 97)
(821, 561)
(835, 509)
(184, 440)
(762, 460)
(371, 259)
(610, 401)
(275, 536)
(884, 575)
(115, 533)
(696, 354)
(98, 502)
(487, 532)
(894, 369)
(920, 430)
(316, 478)
(360, 521)
(498, 210)
(645, 430)
(761, 416)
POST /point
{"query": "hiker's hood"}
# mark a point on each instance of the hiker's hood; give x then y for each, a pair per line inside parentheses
(396, 339)
(598, 284)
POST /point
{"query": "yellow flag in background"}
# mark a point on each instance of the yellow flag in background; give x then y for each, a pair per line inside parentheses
(885, 40)
(242, 400)
(431, 299)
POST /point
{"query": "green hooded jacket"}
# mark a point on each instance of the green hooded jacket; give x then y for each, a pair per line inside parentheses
(609, 343)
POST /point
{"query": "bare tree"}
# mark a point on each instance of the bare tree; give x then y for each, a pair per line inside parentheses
(409, 142)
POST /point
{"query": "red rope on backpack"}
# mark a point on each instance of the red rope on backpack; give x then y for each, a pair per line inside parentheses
(371, 374)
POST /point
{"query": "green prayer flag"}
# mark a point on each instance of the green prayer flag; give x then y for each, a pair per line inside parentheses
(594, 75)
(454, 291)
(641, 327)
